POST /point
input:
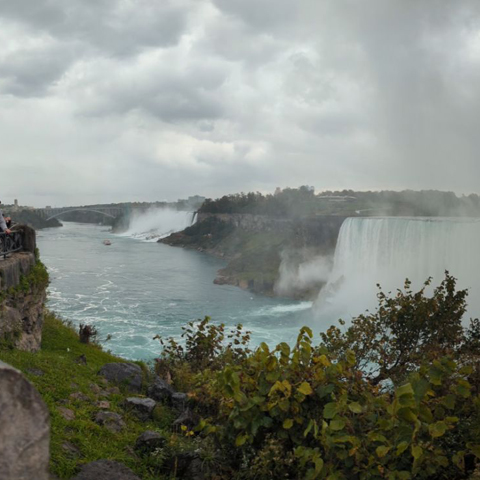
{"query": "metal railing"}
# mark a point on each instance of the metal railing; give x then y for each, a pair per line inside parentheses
(10, 243)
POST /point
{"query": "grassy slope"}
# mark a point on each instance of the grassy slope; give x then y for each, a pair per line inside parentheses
(63, 376)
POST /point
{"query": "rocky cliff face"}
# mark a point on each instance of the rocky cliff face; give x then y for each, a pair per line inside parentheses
(256, 245)
(23, 282)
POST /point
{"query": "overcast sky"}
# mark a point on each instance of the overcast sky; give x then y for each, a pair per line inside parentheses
(124, 100)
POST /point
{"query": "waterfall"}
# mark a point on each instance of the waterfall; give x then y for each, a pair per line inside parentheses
(389, 250)
(155, 223)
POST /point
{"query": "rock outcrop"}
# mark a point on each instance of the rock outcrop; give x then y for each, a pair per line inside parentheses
(23, 282)
(127, 374)
(25, 429)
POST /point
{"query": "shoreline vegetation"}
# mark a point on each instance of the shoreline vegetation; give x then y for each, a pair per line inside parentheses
(395, 395)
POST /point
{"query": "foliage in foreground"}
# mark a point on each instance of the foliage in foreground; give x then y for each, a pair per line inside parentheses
(394, 396)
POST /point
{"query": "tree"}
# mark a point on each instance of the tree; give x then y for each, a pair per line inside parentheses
(407, 329)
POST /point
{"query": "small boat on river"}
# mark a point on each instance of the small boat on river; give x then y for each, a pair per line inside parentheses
(107, 242)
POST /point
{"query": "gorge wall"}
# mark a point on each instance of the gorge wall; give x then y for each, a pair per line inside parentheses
(23, 282)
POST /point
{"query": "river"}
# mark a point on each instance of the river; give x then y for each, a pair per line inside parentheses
(135, 289)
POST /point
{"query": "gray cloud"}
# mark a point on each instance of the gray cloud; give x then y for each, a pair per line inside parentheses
(126, 99)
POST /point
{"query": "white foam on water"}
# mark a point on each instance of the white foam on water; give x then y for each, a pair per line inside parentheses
(279, 310)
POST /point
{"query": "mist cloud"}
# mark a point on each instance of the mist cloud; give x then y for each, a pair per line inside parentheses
(122, 100)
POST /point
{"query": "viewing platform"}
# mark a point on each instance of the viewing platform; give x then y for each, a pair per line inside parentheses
(17, 255)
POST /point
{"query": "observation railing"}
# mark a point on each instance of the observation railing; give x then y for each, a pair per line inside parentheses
(10, 243)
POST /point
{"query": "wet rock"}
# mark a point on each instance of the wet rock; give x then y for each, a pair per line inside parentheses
(127, 374)
(105, 470)
(25, 428)
(66, 413)
(179, 401)
(103, 404)
(187, 418)
(111, 421)
(148, 441)
(160, 390)
(142, 407)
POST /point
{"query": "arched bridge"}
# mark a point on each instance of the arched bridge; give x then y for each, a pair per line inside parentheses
(111, 212)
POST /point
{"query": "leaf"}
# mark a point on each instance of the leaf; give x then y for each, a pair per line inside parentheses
(323, 391)
(305, 388)
(459, 460)
(404, 390)
(382, 451)
(330, 410)
(417, 452)
(475, 449)
(240, 440)
(437, 429)
(337, 424)
(449, 401)
(288, 424)
(401, 447)
(309, 427)
(355, 407)
(351, 358)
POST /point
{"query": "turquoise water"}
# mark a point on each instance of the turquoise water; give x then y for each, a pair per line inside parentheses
(134, 290)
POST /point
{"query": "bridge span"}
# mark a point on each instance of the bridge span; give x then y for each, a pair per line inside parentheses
(111, 212)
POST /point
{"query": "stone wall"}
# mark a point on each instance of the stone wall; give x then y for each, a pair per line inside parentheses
(22, 297)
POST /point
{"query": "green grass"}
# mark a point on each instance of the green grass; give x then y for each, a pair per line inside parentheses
(62, 377)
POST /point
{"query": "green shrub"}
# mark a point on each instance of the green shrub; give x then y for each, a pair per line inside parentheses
(357, 406)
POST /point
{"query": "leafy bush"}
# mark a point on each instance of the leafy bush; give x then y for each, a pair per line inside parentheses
(408, 329)
(392, 397)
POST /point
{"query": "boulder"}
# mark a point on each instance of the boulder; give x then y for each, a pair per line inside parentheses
(160, 390)
(148, 441)
(188, 465)
(105, 470)
(25, 428)
(142, 407)
(128, 374)
(187, 418)
(111, 421)
(179, 401)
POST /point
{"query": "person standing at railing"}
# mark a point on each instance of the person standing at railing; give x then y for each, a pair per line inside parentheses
(3, 224)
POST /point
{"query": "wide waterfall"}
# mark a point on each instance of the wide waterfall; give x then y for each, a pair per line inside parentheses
(386, 251)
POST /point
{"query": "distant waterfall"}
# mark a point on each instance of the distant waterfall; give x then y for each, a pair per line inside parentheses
(388, 250)
(155, 223)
